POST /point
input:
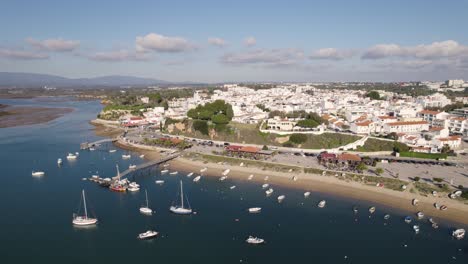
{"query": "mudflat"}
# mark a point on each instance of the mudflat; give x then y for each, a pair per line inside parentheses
(11, 116)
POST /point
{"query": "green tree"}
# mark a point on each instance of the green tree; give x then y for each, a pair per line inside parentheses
(445, 149)
(265, 147)
(361, 166)
(373, 95)
(416, 179)
(310, 123)
(200, 125)
(220, 119)
(379, 171)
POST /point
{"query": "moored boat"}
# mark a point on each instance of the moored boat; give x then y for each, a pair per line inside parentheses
(255, 209)
(159, 182)
(306, 194)
(266, 185)
(132, 167)
(355, 209)
(416, 229)
(459, 233)
(415, 202)
(142, 156)
(322, 204)
(148, 234)
(176, 209)
(281, 198)
(126, 156)
(196, 179)
(408, 219)
(112, 150)
(190, 174)
(164, 171)
(59, 161)
(37, 173)
(250, 177)
(254, 240)
(387, 216)
(372, 209)
(83, 220)
(145, 209)
(223, 178)
(203, 170)
(420, 215)
(232, 187)
(71, 156)
(269, 191)
(226, 172)
(173, 173)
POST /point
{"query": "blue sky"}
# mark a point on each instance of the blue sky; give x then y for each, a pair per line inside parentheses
(217, 41)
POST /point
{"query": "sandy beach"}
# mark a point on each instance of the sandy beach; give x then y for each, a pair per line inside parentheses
(457, 212)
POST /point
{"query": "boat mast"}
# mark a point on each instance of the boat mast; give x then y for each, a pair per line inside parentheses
(118, 172)
(181, 194)
(146, 192)
(84, 202)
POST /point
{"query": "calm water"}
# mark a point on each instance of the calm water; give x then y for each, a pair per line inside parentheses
(36, 212)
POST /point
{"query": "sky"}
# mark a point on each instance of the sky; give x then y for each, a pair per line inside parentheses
(234, 41)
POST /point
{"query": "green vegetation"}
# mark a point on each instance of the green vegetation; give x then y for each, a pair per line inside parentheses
(167, 143)
(361, 167)
(373, 145)
(425, 188)
(450, 107)
(416, 179)
(309, 123)
(219, 111)
(263, 107)
(423, 155)
(435, 179)
(373, 95)
(201, 126)
(311, 119)
(379, 171)
(298, 138)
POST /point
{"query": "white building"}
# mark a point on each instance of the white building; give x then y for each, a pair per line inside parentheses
(406, 127)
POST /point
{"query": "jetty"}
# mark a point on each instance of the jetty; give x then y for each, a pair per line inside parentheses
(87, 145)
(146, 165)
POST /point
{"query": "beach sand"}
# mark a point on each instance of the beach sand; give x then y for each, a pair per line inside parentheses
(457, 211)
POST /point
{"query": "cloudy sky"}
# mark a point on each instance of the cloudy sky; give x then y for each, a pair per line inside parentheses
(217, 41)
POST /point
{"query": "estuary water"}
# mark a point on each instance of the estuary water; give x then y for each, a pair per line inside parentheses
(36, 212)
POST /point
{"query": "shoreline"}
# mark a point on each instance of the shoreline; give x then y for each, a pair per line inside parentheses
(457, 211)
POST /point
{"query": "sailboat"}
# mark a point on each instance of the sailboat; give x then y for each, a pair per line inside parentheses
(117, 186)
(146, 210)
(181, 209)
(83, 220)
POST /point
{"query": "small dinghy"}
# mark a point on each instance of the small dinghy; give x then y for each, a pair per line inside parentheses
(408, 219)
(164, 171)
(37, 173)
(159, 182)
(281, 198)
(269, 191)
(306, 194)
(250, 177)
(420, 215)
(266, 185)
(416, 229)
(372, 209)
(232, 187)
(196, 179)
(173, 173)
(459, 233)
(387, 216)
(223, 178)
(190, 174)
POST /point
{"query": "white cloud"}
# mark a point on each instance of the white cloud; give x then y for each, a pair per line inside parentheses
(160, 43)
(409, 64)
(22, 54)
(273, 57)
(250, 41)
(217, 42)
(444, 49)
(118, 55)
(60, 45)
(331, 54)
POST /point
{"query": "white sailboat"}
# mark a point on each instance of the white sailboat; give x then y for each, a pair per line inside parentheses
(83, 220)
(59, 161)
(181, 209)
(146, 210)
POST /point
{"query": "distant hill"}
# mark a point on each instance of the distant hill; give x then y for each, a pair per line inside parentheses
(20, 79)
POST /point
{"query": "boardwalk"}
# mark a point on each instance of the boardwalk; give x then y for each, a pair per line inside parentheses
(147, 165)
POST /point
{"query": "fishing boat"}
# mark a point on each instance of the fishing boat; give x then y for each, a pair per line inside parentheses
(148, 235)
(203, 170)
(266, 178)
(254, 240)
(164, 171)
(269, 191)
(443, 207)
(132, 167)
(416, 229)
(126, 156)
(372, 209)
(250, 177)
(181, 209)
(415, 202)
(435, 225)
(190, 174)
(281, 198)
(420, 215)
(83, 220)
(134, 184)
(232, 187)
(306, 194)
(223, 178)
(322, 204)
(71, 156)
(37, 173)
(196, 179)
(255, 209)
(159, 182)
(142, 156)
(226, 172)
(173, 173)
(387, 216)
(92, 149)
(59, 161)
(266, 185)
(408, 219)
(112, 150)
(459, 233)
(166, 165)
(355, 209)
(146, 209)
(118, 185)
